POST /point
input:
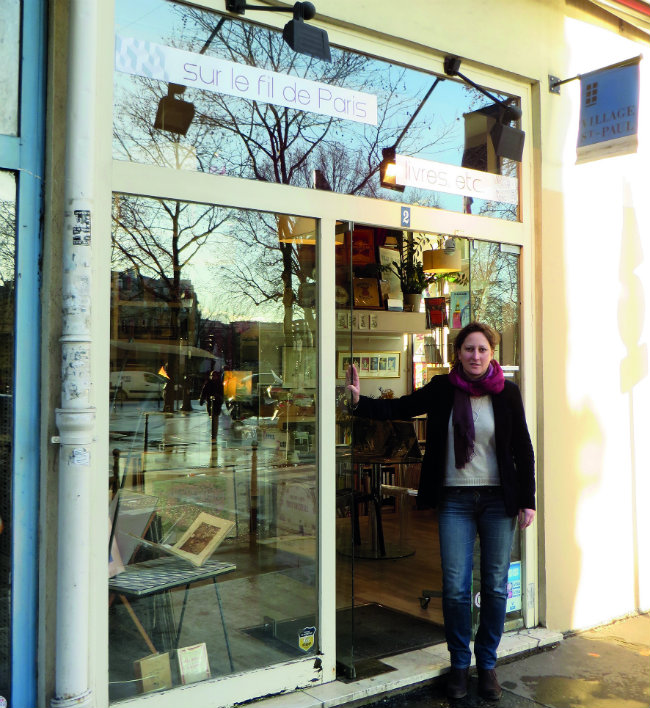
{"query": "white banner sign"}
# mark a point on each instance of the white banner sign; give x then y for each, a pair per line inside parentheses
(155, 61)
(439, 177)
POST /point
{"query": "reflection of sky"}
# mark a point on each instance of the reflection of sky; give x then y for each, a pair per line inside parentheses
(437, 133)
(7, 186)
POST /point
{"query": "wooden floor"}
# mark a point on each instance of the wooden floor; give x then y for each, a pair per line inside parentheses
(395, 583)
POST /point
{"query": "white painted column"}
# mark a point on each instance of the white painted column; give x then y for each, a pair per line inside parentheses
(76, 418)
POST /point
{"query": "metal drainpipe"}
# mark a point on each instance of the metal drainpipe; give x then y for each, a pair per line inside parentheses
(75, 419)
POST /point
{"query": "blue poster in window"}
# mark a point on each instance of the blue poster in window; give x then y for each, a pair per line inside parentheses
(513, 601)
(459, 308)
(609, 110)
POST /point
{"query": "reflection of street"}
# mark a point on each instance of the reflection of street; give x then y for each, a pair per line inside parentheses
(140, 426)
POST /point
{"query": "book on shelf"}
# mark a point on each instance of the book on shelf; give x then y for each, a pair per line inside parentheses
(200, 540)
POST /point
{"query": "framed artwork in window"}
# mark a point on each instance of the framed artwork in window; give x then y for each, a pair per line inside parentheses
(366, 293)
(370, 365)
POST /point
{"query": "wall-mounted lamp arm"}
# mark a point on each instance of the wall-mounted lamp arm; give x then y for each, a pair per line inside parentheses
(301, 37)
(452, 64)
(305, 9)
(417, 110)
(213, 34)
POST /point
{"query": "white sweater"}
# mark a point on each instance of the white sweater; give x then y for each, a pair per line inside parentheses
(482, 470)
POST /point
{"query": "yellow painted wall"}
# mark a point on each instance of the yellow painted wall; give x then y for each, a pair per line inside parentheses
(592, 244)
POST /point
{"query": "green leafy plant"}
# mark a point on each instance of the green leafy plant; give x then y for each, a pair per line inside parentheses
(409, 269)
(413, 280)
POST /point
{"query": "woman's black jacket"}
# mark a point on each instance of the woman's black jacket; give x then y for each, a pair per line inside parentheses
(514, 449)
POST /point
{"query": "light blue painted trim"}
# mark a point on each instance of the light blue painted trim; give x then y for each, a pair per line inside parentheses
(9, 152)
(26, 458)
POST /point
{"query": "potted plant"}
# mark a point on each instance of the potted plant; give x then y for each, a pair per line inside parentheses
(413, 280)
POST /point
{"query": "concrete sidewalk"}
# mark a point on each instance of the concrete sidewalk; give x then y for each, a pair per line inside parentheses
(607, 667)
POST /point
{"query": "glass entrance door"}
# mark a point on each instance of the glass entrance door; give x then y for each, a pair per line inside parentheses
(388, 567)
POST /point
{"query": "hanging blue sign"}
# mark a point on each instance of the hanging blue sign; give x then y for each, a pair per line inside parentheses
(406, 216)
(609, 112)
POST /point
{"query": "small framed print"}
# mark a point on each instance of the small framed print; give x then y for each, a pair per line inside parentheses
(343, 361)
(369, 365)
(342, 319)
(366, 293)
(364, 320)
(374, 320)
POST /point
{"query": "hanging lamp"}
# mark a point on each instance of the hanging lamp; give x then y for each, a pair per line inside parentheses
(442, 260)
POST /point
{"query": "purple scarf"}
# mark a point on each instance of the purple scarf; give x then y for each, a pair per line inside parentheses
(462, 418)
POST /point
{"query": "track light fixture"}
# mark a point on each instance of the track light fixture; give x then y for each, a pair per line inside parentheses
(508, 141)
(302, 38)
(174, 114)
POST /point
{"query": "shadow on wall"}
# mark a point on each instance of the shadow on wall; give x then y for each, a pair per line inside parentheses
(634, 367)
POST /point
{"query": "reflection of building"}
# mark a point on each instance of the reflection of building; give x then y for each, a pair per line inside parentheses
(147, 309)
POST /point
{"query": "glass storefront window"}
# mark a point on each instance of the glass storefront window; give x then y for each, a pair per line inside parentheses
(269, 114)
(9, 57)
(7, 301)
(212, 479)
(486, 289)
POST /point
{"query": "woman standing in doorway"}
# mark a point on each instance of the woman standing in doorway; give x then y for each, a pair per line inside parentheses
(478, 469)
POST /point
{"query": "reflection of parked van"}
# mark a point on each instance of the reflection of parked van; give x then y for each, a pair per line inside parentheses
(137, 384)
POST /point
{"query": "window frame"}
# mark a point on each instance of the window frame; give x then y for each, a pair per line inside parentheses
(327, 207)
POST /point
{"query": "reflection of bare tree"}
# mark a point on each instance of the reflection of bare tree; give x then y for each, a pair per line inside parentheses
(156, 239)
(7, 241)
(495, 287)
(256, 140)
(252, 139)
(268, 271)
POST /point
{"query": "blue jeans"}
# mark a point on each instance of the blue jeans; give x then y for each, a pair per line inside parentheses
(464, 511)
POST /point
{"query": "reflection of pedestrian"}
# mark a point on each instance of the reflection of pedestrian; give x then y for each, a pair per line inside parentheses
(168, 390)
(479, 470)
(212, 395)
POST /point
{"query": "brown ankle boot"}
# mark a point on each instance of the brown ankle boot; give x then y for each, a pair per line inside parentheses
(457, 683)
(488, 686)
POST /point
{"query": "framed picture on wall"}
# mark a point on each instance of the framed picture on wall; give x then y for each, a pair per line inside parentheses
(363, 247)
(370, 365)
(366, 293)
